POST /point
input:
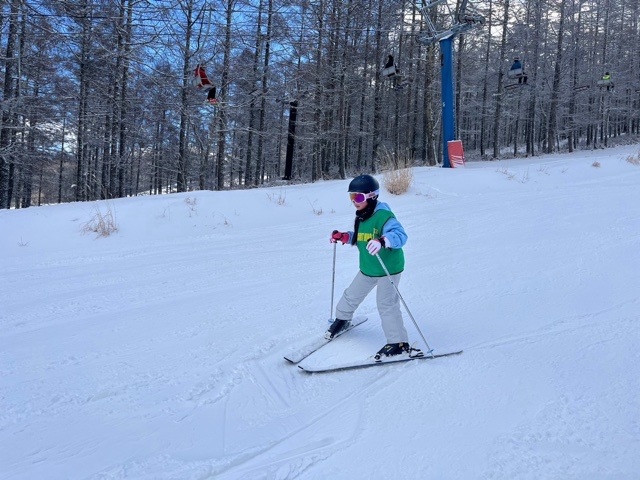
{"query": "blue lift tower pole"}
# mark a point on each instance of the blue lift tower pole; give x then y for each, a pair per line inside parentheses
(448, 104)
(465, 20)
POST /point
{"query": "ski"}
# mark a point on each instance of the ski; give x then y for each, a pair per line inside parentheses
(371, 363)
(300, 354)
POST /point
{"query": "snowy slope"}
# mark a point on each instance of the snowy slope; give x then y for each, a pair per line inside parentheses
(157, 352)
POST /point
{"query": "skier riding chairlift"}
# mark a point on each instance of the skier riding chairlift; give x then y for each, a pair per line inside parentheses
(471, 19)
(606, 81)
(391, 71)
(517, 71)
(201, 80)
(390, 68)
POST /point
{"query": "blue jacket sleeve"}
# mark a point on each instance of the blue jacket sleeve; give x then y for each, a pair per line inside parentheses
(394, 234)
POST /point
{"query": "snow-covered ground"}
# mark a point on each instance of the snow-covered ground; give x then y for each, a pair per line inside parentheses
(157, 352)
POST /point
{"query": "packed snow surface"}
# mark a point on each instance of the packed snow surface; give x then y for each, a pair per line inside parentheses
(157, 352)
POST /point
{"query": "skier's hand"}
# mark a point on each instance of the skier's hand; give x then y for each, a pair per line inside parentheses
(375, 245)
(337, 236)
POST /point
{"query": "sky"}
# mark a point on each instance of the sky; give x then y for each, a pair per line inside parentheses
(156, 352)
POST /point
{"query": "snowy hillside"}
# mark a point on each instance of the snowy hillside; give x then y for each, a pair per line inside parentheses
(157, 352)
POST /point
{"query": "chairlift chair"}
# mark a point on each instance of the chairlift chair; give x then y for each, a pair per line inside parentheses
(605, 83)
(515, 73)
(389, 70)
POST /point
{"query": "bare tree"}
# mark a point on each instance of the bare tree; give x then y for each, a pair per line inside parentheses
(555, 91)
(97, 100)
(222, 111)
(9, 117)
(498, 112)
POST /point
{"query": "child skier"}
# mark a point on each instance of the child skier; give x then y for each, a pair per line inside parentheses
(378, 236)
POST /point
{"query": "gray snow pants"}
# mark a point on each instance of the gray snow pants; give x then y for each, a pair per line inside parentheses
(387, 300)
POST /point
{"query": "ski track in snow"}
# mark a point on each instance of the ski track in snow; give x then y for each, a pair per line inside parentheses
(157, 353)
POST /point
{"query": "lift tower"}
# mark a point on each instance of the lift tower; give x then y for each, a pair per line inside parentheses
(466, 19)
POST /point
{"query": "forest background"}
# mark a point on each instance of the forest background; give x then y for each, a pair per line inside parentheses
(98, 99)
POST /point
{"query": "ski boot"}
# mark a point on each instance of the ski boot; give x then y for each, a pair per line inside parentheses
(336, 327)
(393, 349)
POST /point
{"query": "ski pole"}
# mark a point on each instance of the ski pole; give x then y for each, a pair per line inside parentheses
(333, 281)
(429, 350)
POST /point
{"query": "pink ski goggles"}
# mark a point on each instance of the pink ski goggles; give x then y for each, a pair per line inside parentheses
(358, 197)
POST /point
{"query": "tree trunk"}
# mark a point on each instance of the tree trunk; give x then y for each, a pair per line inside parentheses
(222, 109)
(377, 101)
(8, 113)
(498, 113)
(259, 44)
(485, 86)
(532, 73)
(555, 92)
(259, 178)
(183, 152)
